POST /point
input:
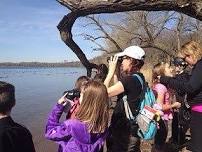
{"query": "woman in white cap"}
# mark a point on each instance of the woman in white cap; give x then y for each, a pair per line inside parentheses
(124, 135)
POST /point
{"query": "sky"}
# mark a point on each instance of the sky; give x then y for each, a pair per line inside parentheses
(28, 32)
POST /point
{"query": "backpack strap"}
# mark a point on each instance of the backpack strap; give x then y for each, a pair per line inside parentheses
(128, 111)
(140, 79)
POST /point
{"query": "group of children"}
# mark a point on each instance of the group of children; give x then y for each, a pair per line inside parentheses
(87, 127)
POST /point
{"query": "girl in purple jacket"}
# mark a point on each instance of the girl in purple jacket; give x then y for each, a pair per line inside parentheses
(88, 131)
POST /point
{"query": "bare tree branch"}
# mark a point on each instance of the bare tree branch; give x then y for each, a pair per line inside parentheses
(80, 8)
(157, 47)
(97, 23)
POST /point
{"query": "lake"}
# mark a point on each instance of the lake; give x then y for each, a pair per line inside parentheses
(37, 91)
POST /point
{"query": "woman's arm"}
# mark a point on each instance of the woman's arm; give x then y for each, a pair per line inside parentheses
(194, 83)
(112, 68)
(116, 89)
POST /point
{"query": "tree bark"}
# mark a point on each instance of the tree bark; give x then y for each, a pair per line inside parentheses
(81, 8)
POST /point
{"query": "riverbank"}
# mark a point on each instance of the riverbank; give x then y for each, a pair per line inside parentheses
(40, 64)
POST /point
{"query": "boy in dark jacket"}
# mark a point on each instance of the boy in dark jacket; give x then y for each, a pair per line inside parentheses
(13, 137)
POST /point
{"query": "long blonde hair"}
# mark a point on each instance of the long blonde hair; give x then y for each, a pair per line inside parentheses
(192, 48)
(94, 108)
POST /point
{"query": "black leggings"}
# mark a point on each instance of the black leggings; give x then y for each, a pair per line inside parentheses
(196, 131)
(122, 138)
(179, 129)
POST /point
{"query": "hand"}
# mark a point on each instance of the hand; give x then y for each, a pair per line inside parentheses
(176, 105)
(112, 64)
(63, 100)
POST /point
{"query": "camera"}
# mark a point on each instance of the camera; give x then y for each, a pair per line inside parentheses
(71, 94)
(178, 61)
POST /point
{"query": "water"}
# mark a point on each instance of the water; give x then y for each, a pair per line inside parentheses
(37, 90)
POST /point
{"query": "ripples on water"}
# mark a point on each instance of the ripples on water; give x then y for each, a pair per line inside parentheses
(37, 90)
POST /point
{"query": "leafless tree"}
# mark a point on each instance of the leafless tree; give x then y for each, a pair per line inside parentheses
(81, 8)
(105, 35)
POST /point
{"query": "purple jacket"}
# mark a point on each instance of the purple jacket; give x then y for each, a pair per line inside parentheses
(72, 135)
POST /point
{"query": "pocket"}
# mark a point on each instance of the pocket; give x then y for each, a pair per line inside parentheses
(133, 128)
(143, 122)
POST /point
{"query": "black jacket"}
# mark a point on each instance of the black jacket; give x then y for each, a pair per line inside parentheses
(183, 77)
(193, 87)
(14, 137)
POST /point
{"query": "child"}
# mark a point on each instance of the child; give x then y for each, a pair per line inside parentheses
(163, 98)
(88, 131)
(13, 137)
(75, 104)
(102, 71)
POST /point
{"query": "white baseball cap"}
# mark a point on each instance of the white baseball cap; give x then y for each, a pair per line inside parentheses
(134, 52)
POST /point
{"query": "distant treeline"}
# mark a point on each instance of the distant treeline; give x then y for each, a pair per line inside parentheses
(40, 64)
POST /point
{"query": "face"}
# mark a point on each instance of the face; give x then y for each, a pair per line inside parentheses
(168, 70)
(126, 63)
(190, 60)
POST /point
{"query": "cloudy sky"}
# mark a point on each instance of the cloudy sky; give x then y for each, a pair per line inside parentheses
(28, 32)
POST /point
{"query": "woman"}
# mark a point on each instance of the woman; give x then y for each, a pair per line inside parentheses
(123, 134)
(88, 130)
(192, 53)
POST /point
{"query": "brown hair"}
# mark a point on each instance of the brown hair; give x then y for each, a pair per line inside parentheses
(192, 48)
(102, 73)
(136, 65)
(158, 70)
(94, 106)
(80, 81)
(7, 97)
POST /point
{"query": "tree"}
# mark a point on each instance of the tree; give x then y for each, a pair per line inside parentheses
(81, 8)
(105, 35)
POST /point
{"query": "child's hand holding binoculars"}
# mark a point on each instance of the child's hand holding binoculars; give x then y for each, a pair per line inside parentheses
(63, 100)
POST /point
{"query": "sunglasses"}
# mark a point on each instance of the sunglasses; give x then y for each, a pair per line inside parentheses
(120, 59)
(125, 57)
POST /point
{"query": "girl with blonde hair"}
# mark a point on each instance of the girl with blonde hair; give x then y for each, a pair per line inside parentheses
(87, 132)
(192, 54)
(164, 103)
